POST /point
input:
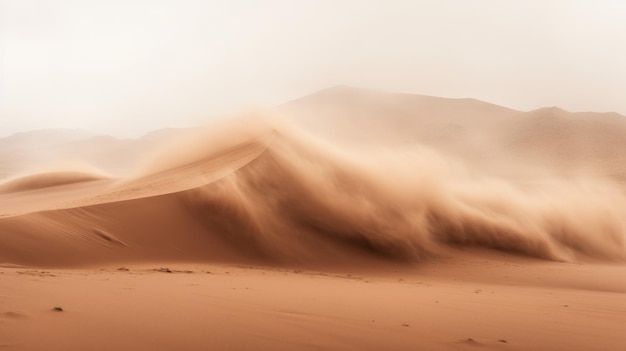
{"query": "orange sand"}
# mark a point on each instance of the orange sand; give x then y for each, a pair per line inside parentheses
(347, 219)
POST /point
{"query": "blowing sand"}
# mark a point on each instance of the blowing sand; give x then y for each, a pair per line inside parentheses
(347, 219)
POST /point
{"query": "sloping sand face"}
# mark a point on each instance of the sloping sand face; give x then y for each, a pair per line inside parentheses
(457, 238)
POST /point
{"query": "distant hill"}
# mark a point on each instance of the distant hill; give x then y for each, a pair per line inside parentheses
(468, 127)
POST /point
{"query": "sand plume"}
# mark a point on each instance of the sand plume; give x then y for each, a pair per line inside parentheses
(299, 192)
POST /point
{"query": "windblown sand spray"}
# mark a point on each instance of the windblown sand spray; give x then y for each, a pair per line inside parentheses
(302, 199)
(203, 143)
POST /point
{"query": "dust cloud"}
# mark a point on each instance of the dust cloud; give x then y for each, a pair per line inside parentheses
(304, 195)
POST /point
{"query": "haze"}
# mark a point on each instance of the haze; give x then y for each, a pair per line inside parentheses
(126, 67)
(361, 175)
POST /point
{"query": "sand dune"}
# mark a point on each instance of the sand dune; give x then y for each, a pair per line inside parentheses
(406, 191)
(46, 180)
(283, 197)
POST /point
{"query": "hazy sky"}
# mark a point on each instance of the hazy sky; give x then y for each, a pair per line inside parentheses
(129, 66)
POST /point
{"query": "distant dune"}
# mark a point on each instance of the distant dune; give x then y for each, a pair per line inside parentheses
(46, 180)
(59, 150)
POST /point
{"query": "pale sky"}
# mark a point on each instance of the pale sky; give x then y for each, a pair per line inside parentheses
(129, 66)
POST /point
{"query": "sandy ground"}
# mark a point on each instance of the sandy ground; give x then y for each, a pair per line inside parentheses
(428, 230)
(501, 303)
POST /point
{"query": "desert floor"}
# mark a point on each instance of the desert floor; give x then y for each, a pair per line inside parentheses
(462, 303)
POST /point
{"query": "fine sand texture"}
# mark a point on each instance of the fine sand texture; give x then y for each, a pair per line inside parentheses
(347, 219)
(491, 303)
